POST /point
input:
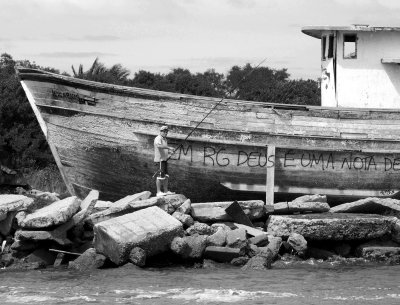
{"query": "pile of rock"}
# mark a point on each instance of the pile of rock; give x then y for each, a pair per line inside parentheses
(367, 229)
(38, 221)
(39, 229)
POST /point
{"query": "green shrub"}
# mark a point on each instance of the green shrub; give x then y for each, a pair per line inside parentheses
(46, 179)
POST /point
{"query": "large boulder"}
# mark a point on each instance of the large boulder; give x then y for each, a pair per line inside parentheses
(137, 202)
(189, 247)
(258, 262)
(240, 261)
(88, 260)
(138, 257)
(224, 226)
(59, 234)
(330, 226)
(215, 211)
(90, 200)
(185, 207)
(309, 198)
(307, 203)
(9, 203)
(236, 238)
(259, 240)
(124, 206)
(369, 205)
(379, 253)
(378, 250)
(54, 214)
(200, 229)
(218, 238)
(102, 205)
(151, 229)
(40, 235)
(185, 219)
(274, 244)
(172, 202)
(298, 243)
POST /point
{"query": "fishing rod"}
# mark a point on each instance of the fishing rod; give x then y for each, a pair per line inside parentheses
(212, 109)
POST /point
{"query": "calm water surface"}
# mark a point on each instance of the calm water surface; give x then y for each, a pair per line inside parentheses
(225, 285)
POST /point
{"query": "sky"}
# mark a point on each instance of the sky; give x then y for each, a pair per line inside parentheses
(160, 35)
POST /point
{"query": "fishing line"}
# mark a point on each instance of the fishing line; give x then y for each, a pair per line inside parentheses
(213, 108)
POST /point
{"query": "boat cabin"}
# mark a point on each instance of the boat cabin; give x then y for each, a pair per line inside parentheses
(360, 65)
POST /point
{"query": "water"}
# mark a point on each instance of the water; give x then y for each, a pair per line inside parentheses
(224, 285)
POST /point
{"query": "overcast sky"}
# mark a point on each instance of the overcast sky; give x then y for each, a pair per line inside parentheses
(159, 35)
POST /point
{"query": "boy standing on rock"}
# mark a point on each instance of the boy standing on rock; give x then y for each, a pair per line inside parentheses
(161, 149)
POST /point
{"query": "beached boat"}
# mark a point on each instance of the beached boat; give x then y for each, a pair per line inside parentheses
(101, 135)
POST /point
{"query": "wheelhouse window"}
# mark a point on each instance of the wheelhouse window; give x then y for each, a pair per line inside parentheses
(331, 46)
(327, 46)
(323, 45)
(350, 46)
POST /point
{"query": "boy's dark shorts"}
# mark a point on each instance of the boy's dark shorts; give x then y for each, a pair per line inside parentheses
(162, 167)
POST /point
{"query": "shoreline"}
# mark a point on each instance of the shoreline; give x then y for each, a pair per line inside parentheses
(203, 235)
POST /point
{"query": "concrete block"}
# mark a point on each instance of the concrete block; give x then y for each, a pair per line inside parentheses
(56, 213)
(330, 226)
(151, 229)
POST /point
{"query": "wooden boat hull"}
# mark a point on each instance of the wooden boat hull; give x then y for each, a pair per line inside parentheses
(102, 136)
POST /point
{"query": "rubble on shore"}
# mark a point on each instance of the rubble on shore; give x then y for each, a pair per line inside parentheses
(38, 230)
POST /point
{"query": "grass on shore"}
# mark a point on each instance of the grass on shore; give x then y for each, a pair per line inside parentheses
(46, 179)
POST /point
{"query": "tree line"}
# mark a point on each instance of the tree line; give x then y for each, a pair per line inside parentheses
(22, 143)
(261, 84)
